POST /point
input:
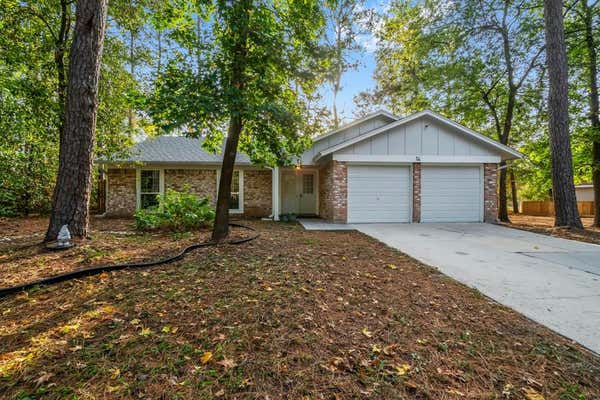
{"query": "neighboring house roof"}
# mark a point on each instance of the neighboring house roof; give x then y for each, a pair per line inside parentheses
(367, 117)
(173, 150)
(469, 132)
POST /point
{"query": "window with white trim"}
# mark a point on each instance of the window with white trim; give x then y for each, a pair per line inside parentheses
(149, 188)
(235, 199)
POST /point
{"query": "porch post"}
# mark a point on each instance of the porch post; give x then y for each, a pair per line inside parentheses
(275, 193)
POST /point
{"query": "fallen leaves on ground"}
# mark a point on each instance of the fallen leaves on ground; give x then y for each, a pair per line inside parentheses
(281, 317)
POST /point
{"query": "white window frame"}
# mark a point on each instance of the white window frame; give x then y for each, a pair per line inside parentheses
(241, 192)
(138, 183)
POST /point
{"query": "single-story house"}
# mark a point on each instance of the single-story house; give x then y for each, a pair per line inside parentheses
(380, 168)
(584, 192)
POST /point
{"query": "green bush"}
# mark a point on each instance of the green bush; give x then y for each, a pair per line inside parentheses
(176, 211)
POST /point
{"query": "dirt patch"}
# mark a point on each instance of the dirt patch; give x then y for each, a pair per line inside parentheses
(294, 314)
(545, 225)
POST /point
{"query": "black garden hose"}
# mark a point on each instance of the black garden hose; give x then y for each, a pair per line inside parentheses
(106, 268)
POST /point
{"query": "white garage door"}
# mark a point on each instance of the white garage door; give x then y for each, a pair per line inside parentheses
(451, 194)
(378, 193)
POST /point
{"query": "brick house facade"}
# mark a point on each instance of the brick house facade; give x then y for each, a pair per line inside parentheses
(332, 186)
(380, 168)
(121, 200)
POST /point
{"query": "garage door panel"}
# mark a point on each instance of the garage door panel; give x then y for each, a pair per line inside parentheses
(378, 193)
(451, 194)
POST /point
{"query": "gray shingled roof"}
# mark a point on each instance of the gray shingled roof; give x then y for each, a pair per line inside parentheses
(174, 149)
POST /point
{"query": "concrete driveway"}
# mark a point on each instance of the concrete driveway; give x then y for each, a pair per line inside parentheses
(555, 282)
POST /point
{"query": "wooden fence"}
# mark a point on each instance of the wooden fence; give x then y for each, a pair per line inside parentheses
(546, 208)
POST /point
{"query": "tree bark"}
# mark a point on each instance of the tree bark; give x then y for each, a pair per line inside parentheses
(72, 192)
(594, 106)
(563, 187)
(221, 227)
(502, 195)
(513, 189)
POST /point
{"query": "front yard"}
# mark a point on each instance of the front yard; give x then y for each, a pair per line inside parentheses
(294, 314)
(545, 225)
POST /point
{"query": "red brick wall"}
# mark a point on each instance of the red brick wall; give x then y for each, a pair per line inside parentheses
(490, 192)
(416, 192)
(325, 192)
(120, 197)
(333, 191)
(201, 182)
(257, 193)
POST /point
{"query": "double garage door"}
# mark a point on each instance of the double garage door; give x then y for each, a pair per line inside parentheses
(384, 193)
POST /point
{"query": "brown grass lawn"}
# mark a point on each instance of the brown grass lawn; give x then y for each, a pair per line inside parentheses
(293, 314)
(545, 225)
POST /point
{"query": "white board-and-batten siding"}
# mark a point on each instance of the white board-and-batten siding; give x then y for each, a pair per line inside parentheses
(421, 137)
(344, 135)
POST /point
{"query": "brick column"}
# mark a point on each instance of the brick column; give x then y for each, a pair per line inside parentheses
(490, 193)
(340, 191)
(416, 192)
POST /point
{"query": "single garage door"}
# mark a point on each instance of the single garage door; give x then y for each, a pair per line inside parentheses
(378, 193)
(451, 194)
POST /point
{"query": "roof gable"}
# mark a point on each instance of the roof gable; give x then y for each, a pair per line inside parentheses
(421, 142)
(381, 114)
(347, 132)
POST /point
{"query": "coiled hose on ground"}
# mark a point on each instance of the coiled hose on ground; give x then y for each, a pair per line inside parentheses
(107, 268)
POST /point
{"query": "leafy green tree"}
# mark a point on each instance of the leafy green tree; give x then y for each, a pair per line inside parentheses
(250, 80)
(34, 49)
(29, 106)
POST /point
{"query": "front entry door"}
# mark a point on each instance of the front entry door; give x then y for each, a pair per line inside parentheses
(299, 192)
(308, 198)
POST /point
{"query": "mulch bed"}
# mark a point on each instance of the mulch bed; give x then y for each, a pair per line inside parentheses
(545, 225)
(294, 314)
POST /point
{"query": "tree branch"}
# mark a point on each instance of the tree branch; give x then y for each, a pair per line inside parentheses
(531, 65)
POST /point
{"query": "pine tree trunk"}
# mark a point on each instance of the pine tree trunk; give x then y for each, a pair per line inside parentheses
(513, 188)
(74, 181)
(594, 106)
(563, 187)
